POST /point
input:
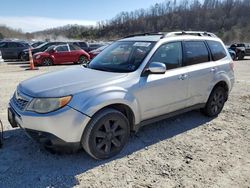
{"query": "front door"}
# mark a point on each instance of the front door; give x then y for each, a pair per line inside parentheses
(160, 94)
(62, 54)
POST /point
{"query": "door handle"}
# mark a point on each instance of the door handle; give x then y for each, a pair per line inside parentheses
(213, 69)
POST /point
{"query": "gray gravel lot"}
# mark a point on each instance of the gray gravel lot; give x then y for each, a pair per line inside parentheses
(189, 150)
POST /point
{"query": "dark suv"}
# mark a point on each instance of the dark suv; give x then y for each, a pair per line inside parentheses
(12, 50)
(241, 50)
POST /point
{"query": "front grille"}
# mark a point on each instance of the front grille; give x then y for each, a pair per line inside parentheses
(20, 101)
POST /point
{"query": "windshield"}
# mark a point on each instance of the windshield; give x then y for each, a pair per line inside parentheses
(122, 56)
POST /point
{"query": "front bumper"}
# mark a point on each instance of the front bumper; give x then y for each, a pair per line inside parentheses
(66, 124)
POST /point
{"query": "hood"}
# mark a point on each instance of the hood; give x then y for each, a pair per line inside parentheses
(33, 50)
(67, 82)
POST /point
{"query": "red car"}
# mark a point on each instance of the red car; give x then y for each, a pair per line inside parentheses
(60, 55)
(95, 52)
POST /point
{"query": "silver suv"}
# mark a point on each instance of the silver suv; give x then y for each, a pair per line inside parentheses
(135, 81)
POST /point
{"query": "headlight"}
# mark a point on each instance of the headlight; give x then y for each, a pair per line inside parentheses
(45, 105)
(37, 57)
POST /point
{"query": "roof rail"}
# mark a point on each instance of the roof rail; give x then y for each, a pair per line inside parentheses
(145, 34)
(195, 33)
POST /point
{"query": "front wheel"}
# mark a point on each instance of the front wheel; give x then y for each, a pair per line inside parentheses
(47, 62)
(215, 102)
(106, 135)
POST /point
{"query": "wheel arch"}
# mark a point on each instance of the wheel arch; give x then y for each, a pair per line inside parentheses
(224, 85)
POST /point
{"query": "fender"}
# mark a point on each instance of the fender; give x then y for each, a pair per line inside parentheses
(221, 76)
(93, 101)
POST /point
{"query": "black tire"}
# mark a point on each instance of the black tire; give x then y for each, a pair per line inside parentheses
(82, 60)
(215, 102)
(106, 134)
(23, 57)
(47, 62)
(241, 56)
(234, 57)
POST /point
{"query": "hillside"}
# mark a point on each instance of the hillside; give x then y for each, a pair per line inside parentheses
(229, 19)
(6, 32)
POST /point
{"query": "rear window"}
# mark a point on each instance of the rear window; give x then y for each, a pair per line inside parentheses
(195, 52)
(218, 51)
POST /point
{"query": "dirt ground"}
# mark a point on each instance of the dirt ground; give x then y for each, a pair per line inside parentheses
(189, 150)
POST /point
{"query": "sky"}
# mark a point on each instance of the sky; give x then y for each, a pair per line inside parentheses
(35, 15)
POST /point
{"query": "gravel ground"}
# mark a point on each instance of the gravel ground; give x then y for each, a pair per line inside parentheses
(189, 150)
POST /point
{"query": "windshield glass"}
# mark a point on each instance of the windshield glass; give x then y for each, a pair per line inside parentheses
(122, 56)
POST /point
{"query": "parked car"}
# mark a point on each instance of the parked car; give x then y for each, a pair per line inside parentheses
(135, 81)
(41, 48)
(241, 50)
(36, 44)
(61, 54)
(88, 47)
(12, 50)
(232, 53)
(82, 45)
(95, 52)
(94, 46)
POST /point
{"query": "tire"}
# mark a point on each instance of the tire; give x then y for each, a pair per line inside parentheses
(215, 102)
(241, 56)
(106, 134)
(22, 57)
(47, 62)
(82, 60)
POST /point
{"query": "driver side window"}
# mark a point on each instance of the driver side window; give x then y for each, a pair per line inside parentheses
(170, 54)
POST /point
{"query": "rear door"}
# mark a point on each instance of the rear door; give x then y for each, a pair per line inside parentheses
(62, 54)
(201, 71)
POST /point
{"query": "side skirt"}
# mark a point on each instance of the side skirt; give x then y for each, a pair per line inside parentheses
(166, 116)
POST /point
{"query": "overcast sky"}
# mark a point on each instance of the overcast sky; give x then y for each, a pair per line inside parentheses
(32, 15)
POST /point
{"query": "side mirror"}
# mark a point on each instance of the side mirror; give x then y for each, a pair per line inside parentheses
(157, 68)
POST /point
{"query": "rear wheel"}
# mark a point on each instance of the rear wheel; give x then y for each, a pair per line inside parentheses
(106, 135)
(82, 60)
(47, 62)
(241, 56)
(215, 102)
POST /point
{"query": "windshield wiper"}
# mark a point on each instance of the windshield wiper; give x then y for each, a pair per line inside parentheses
(102, 69)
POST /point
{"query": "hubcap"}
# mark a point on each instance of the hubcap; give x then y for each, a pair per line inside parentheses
(110, 136)
(82, 60)
(47, 62)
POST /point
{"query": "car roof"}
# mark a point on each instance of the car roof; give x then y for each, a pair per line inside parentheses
(182, 35)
